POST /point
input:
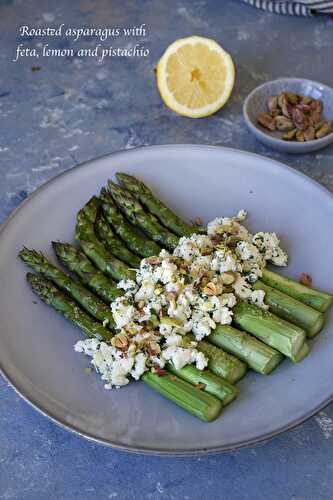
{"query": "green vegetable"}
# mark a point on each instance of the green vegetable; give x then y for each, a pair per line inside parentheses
(168, 218)
(314, 298)
(219, 362)
(76, 261)
(134, 241)
(302, 353)
(211, 383)
(52, 296)
(292, 310)
(86, 299)
(135, 213)
(257, 355)
(96, 251)
(113, 243)
(199, 403)
(276, 332)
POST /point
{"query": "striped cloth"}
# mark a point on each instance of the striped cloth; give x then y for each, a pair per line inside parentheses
(293, 7)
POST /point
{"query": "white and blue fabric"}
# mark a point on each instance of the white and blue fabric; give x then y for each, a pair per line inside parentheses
(293, 8)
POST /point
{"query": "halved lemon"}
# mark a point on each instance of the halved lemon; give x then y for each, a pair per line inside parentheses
(195, 76)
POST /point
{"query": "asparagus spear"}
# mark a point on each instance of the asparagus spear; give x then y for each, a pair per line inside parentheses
(276, 332)
(198, 403)
(86, 299)
(292, 310)
(76, 261)
(67, 307)
(258, 356)
(219, 362)
(85, 234)
(302, 353)
(154, 205)
(137, 216)
(135, 242)
(211, 383)
(315, 298)
(113, 243)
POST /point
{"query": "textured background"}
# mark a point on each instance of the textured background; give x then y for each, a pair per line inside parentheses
(72, 110)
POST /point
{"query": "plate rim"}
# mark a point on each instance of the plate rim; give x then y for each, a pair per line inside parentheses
(141, 449)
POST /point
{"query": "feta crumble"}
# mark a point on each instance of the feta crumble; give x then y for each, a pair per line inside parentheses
(194, 289)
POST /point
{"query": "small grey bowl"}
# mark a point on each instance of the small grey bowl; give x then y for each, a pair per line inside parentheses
(256, 102)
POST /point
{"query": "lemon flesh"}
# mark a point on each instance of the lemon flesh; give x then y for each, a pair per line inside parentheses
(195, 76)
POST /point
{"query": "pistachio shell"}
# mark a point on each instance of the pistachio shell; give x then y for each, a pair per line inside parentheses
(316, 105)
(292, 98)
(283, 123)
(272, 105)
(315, 118)
(306, 99)
(300, 120)
(289, 136)
(325, 129)
(309, 134)
(266, 121)
(281, 99)
(300, 136)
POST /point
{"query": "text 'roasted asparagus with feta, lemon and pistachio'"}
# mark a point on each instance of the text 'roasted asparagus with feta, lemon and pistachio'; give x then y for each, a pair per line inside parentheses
(187, 309)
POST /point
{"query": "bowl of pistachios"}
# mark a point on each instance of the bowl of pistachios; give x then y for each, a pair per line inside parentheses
(292, 115)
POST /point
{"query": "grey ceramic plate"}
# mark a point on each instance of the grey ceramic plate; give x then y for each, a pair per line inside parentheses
(36, 344)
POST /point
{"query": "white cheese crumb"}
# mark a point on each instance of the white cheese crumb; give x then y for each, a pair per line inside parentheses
(257, 298)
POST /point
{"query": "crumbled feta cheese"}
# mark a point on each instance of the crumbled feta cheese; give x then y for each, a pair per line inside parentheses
(186, 249)
(242, 288)
(173, 340)
(192, 290)
(257, 298)
(242, 214)
(201, 361)
(127, 285)
(181, 356)
(228, 299)
(269, 246)
(123, 312)
(248, 251)
(202, 325)
(146, 291)
(139, 366)
(165, 272)
(224, 261)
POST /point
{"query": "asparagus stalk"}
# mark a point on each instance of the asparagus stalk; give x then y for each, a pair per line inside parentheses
(168, 218)
(134, 211)
(113, 243)
(302, 353)
(199, 403)
(85, 234)
(258, 356)
(76, 261)
(276, 332)
(312, 297)
(52, 296)
(211, 383)
(86, 299)
(135, 242)
(220, 362)
(292, 310)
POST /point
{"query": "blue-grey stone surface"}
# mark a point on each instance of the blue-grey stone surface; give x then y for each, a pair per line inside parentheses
(69, 110)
